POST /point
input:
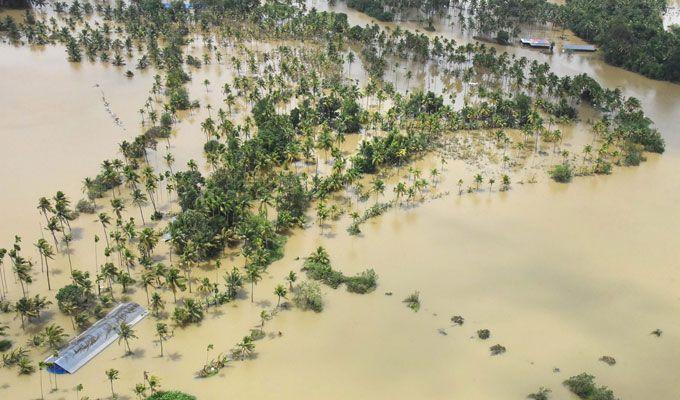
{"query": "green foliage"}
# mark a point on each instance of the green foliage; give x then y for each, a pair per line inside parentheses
(5, 345)
(413, 301)
(541, 394)
(561, 173)
(171, 395)
(630, 33)
(362, 283)
(503, 37)
(584, 387)
(318, 267)
(373, 8)
(86, 206)
(497, 349)
(75, 296)
(307, 296)
(189, 313)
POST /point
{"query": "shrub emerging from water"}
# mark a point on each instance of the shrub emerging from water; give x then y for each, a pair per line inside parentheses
(85, 206)
(561, 173)
(172, 395)
(541, 394)
(363, 282)
(413, 301)
(318, 267)
(308, 296)
(483, 334)
(497, 349)
(584, 387)
(190, 312)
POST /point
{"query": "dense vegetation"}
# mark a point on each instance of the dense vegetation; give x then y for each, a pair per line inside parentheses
(284, 155)
(630, 33)
(585, 388)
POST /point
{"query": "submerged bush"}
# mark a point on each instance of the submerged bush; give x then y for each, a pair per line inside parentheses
(542, 394)
(318, 267)
(172, 395)
(85, 206)
(561, 173)
(584, 387)
(497, 349)
(413, 301)
(483, 334)
(363, 282)
(308, 296)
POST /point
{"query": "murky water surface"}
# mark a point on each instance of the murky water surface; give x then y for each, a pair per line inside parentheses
(560, 274)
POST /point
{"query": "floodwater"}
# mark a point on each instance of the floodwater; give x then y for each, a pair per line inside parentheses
(560, 274)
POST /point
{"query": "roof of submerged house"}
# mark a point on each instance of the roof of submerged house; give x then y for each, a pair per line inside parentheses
(534, 42)
(578, 47)
(96, 338)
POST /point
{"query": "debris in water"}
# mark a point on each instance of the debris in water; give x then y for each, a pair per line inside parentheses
(458, 320)
(609, 360)
(442, 331)
(657, 332)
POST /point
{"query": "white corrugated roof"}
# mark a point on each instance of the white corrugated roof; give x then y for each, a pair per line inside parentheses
(96, 338)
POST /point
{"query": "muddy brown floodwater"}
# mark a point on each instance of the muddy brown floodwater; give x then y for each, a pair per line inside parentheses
(560, 274)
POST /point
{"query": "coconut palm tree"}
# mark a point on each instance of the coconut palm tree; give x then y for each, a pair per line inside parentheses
(478, 180)
(254, 275)
(112, 375)
(125, 334)
(147, 280)
(139, 199)
(234, 282)
(53, 336)
(291, 278)
(175, 281)
(46, 252)
(105, 220)
(157, 304)
(45, 206)
(245, 347)
(24, 308)
(163, 334)
(280, 291)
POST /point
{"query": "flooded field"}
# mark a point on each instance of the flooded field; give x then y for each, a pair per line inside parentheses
(560, 274)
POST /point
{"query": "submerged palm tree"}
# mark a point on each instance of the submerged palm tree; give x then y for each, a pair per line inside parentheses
(254, 274)
(112, 375)
(176, 281)
(291, 278)
(163, 334)
(280, 291)
(125, 334)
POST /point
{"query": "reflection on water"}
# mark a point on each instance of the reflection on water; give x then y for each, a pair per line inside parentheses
(560, 274)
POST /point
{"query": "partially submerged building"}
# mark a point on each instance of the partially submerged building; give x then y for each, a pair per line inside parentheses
(578, 47)
(96, 338)
(537, 43)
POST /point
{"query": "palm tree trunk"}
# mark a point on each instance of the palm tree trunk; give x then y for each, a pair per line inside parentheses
(47, 271)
